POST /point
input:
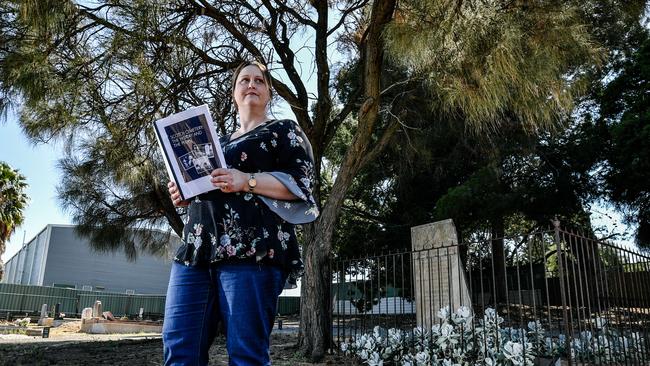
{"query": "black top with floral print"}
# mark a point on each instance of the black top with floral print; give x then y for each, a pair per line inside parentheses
(248, 227)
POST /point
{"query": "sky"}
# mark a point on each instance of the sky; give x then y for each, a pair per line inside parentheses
(38, 164)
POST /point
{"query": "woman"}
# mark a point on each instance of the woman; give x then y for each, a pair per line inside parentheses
(239, 244)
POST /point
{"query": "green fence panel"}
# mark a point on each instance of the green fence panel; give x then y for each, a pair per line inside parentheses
(151, 304)
(288, 305)
(125, 305)
(28, 298)
(10, 297)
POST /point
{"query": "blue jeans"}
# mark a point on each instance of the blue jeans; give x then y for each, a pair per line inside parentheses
(242, 296)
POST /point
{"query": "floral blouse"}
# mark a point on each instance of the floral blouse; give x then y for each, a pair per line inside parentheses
(247, 227)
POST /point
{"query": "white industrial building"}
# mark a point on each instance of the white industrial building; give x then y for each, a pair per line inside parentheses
(58, 257)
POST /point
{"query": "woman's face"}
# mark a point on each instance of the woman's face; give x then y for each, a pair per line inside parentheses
(251, 89)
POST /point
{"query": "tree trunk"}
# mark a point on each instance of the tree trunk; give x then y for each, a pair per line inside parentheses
(315, 302)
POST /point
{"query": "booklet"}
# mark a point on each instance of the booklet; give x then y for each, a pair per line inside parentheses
(190, 145)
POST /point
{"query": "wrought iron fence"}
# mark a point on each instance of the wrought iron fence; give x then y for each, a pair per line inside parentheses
(590, 297)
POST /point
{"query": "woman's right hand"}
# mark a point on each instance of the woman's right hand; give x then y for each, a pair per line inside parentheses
(176, 195)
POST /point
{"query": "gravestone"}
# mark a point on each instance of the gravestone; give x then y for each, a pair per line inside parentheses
(438, 274)
(57, 311)
(87, 313)
(44, 320)
(97, 309)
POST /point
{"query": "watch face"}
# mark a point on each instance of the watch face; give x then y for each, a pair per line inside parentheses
(252, 182)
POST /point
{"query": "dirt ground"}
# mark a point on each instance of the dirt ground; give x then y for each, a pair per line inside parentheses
(66, 346)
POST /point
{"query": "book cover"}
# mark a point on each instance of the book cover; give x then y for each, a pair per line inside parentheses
(190, 145)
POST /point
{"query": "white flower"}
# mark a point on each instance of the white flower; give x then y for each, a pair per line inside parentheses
(446, 330)
(443, 313)
(422, 358)
(394, 336)
(513, 351)
(464, 312)
(375, 360)
(463, 315)
(364, 354)
(490, 313)
(435, 329)
(535, 326)
(375, 331)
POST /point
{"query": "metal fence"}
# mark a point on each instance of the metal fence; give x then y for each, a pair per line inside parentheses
(591, 297)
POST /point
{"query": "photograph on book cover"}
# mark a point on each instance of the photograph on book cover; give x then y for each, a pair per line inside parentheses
(192, 144)
(192, 150)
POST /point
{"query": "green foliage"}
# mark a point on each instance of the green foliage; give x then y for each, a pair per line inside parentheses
(492, 61)
(625, 116)
(439, 165)
(13, 201)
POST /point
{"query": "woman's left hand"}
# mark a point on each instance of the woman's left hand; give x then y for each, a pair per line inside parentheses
(229, 180)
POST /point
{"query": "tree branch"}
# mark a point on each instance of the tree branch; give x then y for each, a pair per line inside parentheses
(332, 125)
(382, 143)
(323, 106)
(345, 14)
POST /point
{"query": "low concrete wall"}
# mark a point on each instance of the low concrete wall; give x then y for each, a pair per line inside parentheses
(101, 326)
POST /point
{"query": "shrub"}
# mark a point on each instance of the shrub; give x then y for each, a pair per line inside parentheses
(458, 341)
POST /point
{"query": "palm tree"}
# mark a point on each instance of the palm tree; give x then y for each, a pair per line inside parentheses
(13, 201)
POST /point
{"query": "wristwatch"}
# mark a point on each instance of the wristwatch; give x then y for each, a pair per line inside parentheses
(252, 183)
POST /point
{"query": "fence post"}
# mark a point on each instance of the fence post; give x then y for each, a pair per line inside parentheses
(563, 289)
